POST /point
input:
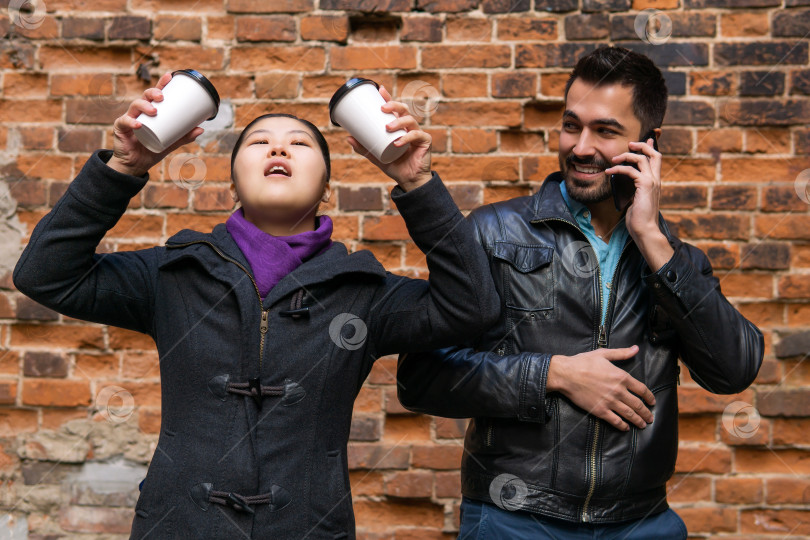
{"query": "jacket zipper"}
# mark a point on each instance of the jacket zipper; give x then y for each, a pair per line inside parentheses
(601, 343)
(265, 312)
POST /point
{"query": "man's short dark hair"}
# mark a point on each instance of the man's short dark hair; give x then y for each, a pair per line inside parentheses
(617, 65)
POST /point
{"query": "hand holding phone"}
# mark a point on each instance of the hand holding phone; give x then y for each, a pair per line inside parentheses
(622, 185)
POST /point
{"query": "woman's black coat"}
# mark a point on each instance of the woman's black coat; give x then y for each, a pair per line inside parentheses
(256, 396)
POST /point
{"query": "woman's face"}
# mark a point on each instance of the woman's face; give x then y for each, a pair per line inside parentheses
(279, 176)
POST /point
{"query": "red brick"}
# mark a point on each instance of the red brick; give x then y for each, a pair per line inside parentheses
(767, 141)
(8, 392)
(274, 28)
(384, 228)
(473, 141)
(133, 226)
(359, 58)
(56, 336)
(463, 56)
(424, 29)
(44, 364)
(738, 490)
(172, 28)
(56, 418)
(788, 522)
(277, 85)
(516, 142)
(719, 140)
(171, 196)
(745, 24)
(782, 226)
(537, 168)
(31, 110)
(16, 421)
(689, 488)
(763, 461)
(440, 457)
(56, 393)
(279, 6)
(378, 456)
(369, 399)
(457, 85)
(79, 58)
(527, 29)
(407, 429)
(383, 516)
(708, 458)
(464, 168)
(223, 28)
(95, 519)
(325, 28)
(25, 85)
(366, 483)
(709, 519)
(202, 58)
(553, 84)
(798, 315)
(714, 226)
(140, 365)
(713, 83)
(409, 484)
(468, 29)
(787, 490)
(384, 371)
(513, 85)
(450, 428)
(448, 484)
(794, 286)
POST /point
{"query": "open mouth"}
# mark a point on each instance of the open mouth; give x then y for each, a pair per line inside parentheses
(587, 169)
(277, 170)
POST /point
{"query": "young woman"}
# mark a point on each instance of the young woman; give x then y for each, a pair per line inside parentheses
(266, 329)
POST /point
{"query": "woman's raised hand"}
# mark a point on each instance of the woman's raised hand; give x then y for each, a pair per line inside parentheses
(129, 155)
(412, 169)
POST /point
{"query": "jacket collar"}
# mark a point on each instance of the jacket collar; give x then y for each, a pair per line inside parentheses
(218, 252)
(549, 203)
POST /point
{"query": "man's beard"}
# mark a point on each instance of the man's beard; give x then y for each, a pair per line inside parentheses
(585, 192)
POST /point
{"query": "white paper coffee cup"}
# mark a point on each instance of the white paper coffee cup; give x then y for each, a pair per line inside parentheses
(356, 107)
(188, 100)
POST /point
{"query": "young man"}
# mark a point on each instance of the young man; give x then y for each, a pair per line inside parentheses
(572, 444)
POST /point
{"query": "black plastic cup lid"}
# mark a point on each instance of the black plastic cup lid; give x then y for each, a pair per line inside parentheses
(343, 90)
(194, 74)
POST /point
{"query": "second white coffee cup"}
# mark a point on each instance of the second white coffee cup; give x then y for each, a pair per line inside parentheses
(188, 100)
(356, 107)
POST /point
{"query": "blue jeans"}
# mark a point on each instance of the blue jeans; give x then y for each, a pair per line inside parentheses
(481, 521)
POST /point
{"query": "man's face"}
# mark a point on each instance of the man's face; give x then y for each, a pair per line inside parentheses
(598, 123)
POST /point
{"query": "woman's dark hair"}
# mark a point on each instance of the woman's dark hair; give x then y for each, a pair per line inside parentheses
(315, 132)
(617, 65)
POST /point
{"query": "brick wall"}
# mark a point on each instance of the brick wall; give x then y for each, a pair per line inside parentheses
(79, 403)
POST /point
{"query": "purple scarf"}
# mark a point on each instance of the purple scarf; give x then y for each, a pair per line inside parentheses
(273, 257)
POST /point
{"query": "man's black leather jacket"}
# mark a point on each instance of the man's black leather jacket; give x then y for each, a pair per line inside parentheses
(528, 450)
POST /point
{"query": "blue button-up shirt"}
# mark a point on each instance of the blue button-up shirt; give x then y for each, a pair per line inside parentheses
(607, 253)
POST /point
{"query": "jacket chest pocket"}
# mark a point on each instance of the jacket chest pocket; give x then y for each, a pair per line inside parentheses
(528, 279)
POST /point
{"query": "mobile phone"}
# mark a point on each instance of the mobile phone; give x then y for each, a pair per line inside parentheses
(624, 187)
